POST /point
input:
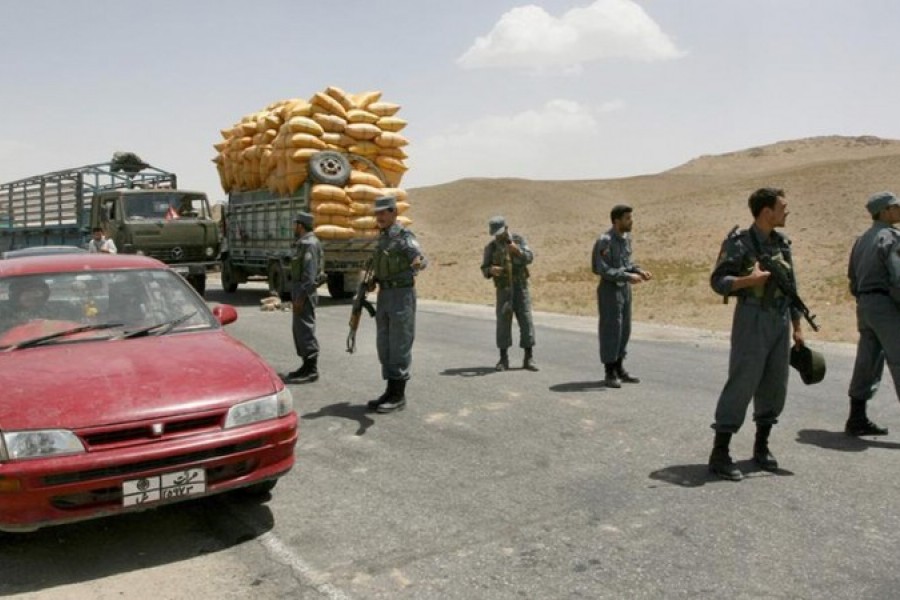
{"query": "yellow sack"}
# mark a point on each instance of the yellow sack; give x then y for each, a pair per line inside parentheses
(362, 209)
(305, 140)
(362, 131)
(325, 219)
(303, 155)
(331, 123)
(304, 125)
(398, 193)
(405, 221)
(402, 207)
(358, 115)
(340, 95)
(389, 139)
(390, 164)
(363, 223)
(365, 99)
(322, 192)
(390, 124)
(330, 208)
(367, 149)
(333, 232)
(329, 104)
(383, 109)
(361, 192)
(357, 176)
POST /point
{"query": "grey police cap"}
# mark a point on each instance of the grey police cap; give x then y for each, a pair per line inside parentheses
(496, 224)
(385, 203)
(878, 202)
(305, 219)
(809, 363)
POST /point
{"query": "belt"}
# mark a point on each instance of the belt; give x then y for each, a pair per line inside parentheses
(779, 303)
(879, 292)
(389, 285)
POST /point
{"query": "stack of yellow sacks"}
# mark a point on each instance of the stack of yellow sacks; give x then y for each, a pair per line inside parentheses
(271, 149)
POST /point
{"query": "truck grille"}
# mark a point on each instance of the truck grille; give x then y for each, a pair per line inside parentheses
(178, 254)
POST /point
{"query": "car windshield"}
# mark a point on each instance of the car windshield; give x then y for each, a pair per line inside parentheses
(97, 305)
(169, 206)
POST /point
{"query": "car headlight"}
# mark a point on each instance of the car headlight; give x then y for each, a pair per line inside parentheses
(210, 251)
(260, 409)
(17, 445)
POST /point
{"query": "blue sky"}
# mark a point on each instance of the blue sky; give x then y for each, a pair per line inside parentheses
(492, 88)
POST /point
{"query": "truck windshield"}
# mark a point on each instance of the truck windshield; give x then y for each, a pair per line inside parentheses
(167, 206)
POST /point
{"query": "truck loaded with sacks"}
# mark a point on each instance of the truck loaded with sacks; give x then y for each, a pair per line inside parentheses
(331, 155)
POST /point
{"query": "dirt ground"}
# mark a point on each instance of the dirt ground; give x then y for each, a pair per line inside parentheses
(681, 217)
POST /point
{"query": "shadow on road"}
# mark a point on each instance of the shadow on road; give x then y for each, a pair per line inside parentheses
(97, 549)
(697, 475)
(345, 410)
(838, 440)
(577, 386)
(469, 371)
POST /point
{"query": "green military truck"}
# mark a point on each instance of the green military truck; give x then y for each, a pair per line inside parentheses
(139, 206)
(259, 233)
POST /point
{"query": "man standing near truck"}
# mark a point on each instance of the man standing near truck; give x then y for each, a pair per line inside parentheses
(100, 243)
(397, 260)
(306, 269)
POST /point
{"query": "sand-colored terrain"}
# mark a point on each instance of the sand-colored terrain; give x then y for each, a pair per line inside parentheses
(680, 216)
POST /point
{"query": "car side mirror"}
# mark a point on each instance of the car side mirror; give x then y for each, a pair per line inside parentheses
(225, 313)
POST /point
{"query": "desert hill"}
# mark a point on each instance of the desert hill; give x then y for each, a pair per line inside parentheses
(681, 216)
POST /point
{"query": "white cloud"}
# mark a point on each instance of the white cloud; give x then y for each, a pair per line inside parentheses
(527, 36)
(542, 143)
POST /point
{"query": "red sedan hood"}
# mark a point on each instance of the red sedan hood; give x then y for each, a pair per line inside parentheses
(105, 382)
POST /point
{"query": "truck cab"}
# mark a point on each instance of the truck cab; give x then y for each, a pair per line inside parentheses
(174, 226)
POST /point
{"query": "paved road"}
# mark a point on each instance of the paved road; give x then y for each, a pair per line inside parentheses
(511, 485)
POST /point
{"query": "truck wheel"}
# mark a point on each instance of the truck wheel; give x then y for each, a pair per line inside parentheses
(198, 282)
(229, 281)
(329, 167)
(276, 281)
(336, 287)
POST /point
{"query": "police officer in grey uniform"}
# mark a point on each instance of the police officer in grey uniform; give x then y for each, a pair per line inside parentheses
(874, 273)
(611, 260)
(760, 332)
(306, 269)
(506, 259)
(395, 263)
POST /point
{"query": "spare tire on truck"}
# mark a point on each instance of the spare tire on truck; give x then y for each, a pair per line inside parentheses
(329, 167)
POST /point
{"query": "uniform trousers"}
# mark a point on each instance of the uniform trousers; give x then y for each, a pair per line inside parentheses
(757, 366)
(878, 321)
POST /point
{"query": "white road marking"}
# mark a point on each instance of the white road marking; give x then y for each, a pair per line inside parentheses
(300, 567)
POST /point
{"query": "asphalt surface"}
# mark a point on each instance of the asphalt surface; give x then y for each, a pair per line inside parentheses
(511, 485)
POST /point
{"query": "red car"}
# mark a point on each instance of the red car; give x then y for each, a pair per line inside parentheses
(120, 391)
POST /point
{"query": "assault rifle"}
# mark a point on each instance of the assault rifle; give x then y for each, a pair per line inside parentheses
(359, 303)
(783, 280)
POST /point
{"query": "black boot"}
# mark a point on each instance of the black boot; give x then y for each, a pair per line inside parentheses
(761, 454)
(388, 392)
(623, 374)
(612, 378)
(528, 364)
(720, 462)
(311, 370)
(858, 422)
(503, 363)
(299, 372)
(397, 400)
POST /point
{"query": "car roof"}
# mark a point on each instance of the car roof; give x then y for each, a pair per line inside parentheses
(42, 250)
(75, 262)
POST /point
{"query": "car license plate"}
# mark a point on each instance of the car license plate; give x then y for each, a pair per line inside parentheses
(178, 484)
